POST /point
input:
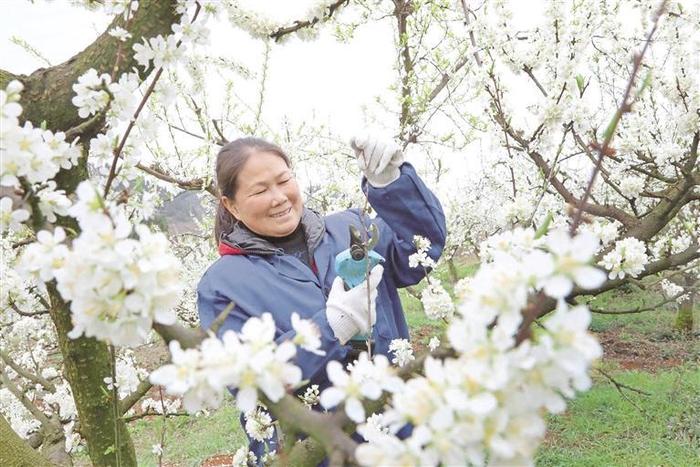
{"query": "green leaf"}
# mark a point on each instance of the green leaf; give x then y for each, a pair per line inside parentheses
(544, 227)
(109, 450)
(645, 83)
(580, 83)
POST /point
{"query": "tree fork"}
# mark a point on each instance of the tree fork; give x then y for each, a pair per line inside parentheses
(48, 92)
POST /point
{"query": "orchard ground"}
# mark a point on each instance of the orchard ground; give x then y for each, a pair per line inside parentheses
(643, 409)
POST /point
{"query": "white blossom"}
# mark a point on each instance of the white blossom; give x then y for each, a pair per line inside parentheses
(671, 289)
(570, 259)
(249, 361)
(420, 258)
(11, 219)
(308, 336)
(632, 186)
(43, 257)
(628, 258)
(120, 33)
(433, 344)
(258, 424)
(402, 350)
(90, 95)
(437, 303)
(311, 396)
(366, 380)
(244, 458)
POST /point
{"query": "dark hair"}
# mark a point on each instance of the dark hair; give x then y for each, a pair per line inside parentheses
(229, 163)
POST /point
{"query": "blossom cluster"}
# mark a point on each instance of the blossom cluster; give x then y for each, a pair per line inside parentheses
(628, 258)
(365, 380)
(487, 402)
(420, 258)
(402, 350)
(249, 361)
(260, 25)
(258, 424)
(117, 285)
(671, 289)
(34, 155)
(437, 303)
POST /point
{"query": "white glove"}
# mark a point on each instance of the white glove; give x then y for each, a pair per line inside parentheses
(347, 310)
(379, 159)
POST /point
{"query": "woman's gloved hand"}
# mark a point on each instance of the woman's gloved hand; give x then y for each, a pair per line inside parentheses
(347, 311)
(379, 159)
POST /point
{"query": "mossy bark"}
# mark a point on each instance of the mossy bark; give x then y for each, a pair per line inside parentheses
(87, 362)
(684, 317)
(47, 98)
(16, 452)
(48, 91)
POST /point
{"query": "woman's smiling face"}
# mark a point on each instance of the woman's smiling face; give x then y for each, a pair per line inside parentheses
(267, 199)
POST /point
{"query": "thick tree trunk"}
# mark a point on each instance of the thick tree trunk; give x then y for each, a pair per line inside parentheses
(16, 452)
(47, 98)
(86, 363)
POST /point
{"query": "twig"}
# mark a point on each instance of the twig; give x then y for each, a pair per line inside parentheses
(149, 413)
(130, 400)
(37, 379)
(620, 386)
(639, 309)
(222, 138)
(221, 318)
(625, 107)
(193, 185)
(132, 122)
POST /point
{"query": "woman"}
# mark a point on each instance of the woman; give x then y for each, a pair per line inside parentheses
(278, 256)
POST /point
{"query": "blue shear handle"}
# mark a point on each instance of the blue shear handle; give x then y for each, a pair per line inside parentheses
(354, 272)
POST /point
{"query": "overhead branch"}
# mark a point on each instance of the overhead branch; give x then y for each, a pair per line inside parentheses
(679, 259)
(298, 25)
(624, 107)
(48, 92)
(402, 10)
(196, 184)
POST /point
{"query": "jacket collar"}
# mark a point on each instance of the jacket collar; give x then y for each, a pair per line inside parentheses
(242, 241)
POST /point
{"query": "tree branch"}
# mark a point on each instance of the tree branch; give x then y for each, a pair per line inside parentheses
(196, 184)
(131, 399)
(280, 33)
(36, 379)
(638, 309)
(19, 394)
(48, 92)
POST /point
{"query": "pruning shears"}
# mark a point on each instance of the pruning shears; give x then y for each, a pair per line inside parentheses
(353, 264)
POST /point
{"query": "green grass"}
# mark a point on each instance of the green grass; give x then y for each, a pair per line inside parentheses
(657, 323)
(412, 306)
(189, 440)
(603, 428)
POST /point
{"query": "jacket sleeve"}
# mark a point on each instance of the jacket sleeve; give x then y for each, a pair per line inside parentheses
(405, 208)
(211, 301)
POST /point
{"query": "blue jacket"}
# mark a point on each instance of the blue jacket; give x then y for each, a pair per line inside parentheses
(259, 278)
